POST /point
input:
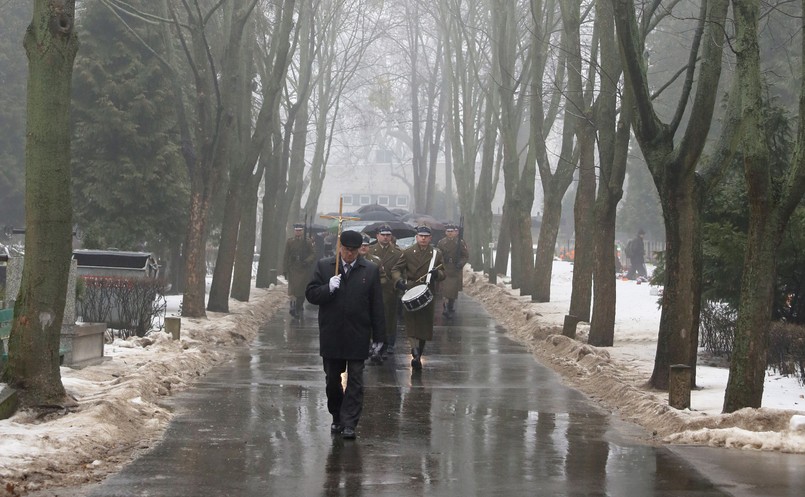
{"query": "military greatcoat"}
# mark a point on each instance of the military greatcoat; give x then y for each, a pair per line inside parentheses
(298, 265)
(456, 254)
(413, 264)
(388, 256)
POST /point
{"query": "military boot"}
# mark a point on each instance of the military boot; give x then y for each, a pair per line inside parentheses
(293, 308)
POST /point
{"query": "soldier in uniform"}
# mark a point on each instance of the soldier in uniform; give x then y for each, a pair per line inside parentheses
(297, 267)
(389, 254)
(456, 254)
(411, 270)
(366, 252)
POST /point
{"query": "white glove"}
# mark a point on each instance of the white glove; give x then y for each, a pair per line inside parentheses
(335, 283)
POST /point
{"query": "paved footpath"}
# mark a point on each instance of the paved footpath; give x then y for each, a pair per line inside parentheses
(483, 418)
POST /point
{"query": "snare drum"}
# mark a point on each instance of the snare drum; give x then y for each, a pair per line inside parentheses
(416, 298)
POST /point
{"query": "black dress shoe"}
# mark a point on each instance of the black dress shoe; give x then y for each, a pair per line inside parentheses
(348, 433)
(416, 363)
(336, 428)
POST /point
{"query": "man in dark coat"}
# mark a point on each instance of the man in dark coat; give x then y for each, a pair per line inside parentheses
(636, 252)
(298, 259)
(350, 301)
(389, 254)
(456, 254)
(411, 271)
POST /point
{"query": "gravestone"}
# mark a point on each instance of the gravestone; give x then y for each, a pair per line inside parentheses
(14, 280)
(80, 344)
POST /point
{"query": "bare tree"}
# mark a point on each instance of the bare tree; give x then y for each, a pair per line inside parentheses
(514, 59)
(470, 104)
(674, 169)
(771, 201)
(613, 144)
(272, 63)
(234, 89)
(33, 366)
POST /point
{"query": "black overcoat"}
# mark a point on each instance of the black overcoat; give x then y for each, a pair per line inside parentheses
(351, 318)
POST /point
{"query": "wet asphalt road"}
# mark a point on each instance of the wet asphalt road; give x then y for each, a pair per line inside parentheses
(481, 419)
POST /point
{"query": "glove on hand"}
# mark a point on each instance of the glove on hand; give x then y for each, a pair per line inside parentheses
(374, 353)
(335, 283)
(400, 285)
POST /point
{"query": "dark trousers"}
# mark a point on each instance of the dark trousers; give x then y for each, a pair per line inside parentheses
(344, 404)
(638, 268)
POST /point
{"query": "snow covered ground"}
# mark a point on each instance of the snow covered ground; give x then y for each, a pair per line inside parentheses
(617, 376)
(119, 412)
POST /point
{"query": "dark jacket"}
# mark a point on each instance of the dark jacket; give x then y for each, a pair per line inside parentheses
(351, 318)
(297, 261)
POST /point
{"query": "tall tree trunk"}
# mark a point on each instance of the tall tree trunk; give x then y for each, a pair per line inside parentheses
(584, 129)
(613, 147)
(233, 88)
(33, 366)
(554, 182)
(584, 215)
(768, 217)
(672, 162)
(247, 235)
(275, 173)
(678, 338)
(503, 244)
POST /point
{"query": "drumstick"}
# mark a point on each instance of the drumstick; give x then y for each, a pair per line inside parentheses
(426, 274)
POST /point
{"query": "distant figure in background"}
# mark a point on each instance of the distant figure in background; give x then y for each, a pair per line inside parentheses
(297, 266)
(636, 252)
(388, 254)
(456, 254)
(411, 271)
(350, 304)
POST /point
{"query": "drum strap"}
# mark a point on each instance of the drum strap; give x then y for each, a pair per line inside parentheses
(432, 262)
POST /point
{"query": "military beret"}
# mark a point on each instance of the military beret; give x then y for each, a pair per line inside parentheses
(351, 239)
(423, 230)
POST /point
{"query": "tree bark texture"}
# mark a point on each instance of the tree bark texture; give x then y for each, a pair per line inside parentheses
(33, 366)
(770, 207)
(613, 147)
(673, 167)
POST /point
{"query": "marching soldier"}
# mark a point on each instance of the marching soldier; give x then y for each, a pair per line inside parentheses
(366, 252)
(456, 254)
(388, 254)
(411, 270)
(297, 267)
